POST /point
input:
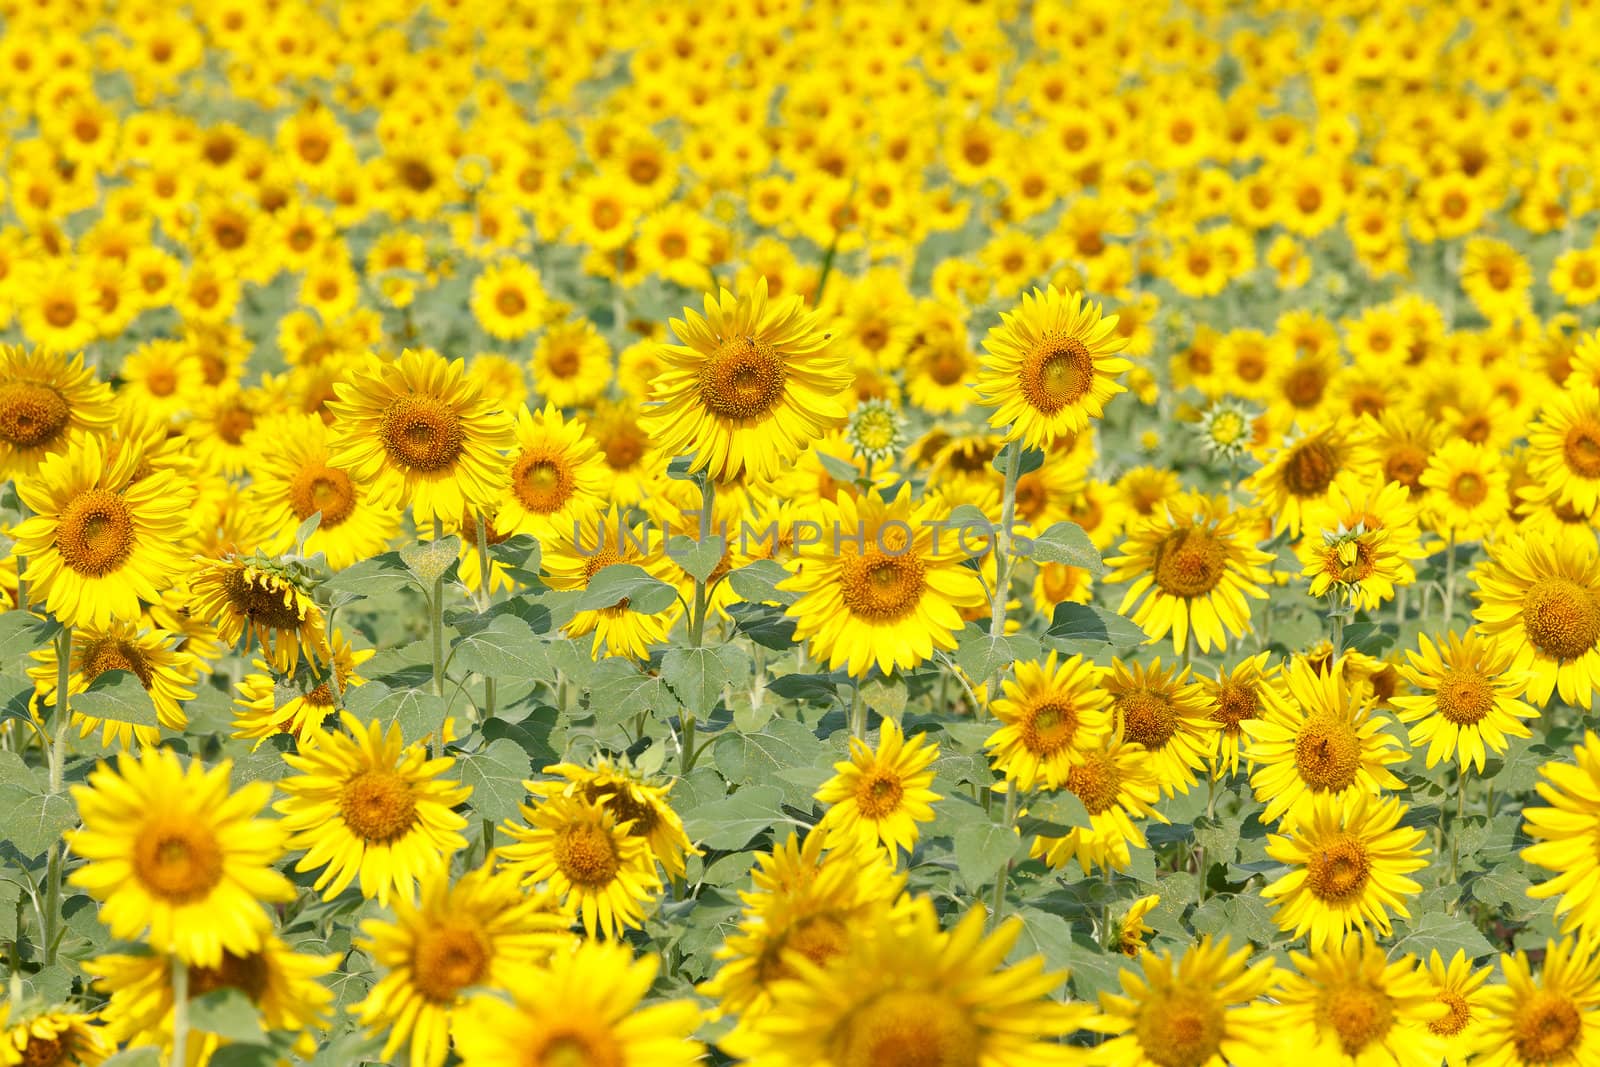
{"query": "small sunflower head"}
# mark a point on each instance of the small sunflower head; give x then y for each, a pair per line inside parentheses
(876, 431)
(1225, 430)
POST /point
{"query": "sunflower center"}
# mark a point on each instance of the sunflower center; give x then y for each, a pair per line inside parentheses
(1359, 1014)
(1181, 1029)
(378, 806)
(878, 794)
(1305, 385)
(31, 414)
(233, 422)
(1464, 697)
(542, 482)
(95, 532)
(510, 302)
(109, 654)
(60, 312)
(261, 599)
(43, 1051)
(819, 938)
(1337, 872)
(1096, 782)
(570, 1045)
(1049, 728)
(1348, 561)
(318, 487)
(910, 1029)
(881, 588)
(1310, 469)
(1058, 372)
(627, 808)
(422, 433)
(1327, 753)
(1235, 703)
(1148, 718)
(1561, 618)
(161, 381)
(1469, 489)
(743, 379)
(1456, 1020)
(1546, 1027)
(1582, 448)
(1405, 464)
(587, 855)
(623, 447)
(248, 974)
(447, 958)
(1189, 562)
(178, 862)
(948, 366)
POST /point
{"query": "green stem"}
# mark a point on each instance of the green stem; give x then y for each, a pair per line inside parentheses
(1002, 549)
(436, 625)
(689, 754)
(22, 583)
(1336, 623)
(697, 625)
(858, 718)
(827, 269)
(1450, 580)
(998, 904)
(180, 1012)
(58, 764)
(485, 599)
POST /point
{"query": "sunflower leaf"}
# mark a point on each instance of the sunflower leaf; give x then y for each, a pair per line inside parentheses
(370, 577)
(505, 647)
(757, 582)
(431, 560)
(982, 848)
(1063, 542)
(228, 1013)
(626, 581)
(143, 1056)
(1434, 931)
(35, 821)
(119, 696)
(1087, 629)
(20, 633)
(495, 774)
(619, 690)
(699, 675)
(698, 558)
(1055, 815)
(733, 821)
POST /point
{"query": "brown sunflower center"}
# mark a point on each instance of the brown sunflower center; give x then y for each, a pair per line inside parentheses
(819, 938)
(1327, 753)
(1234, 703)
(447, 958)
(1056, 373)
(109, 654)
(910, 1028)
(422, 433)
(378, 806)
(881, 588)
(1358, 1014)
(627, 807)
(1310, 469)
(317, 487)
(1190, 561)
(262, 599)
(743, 379)
(1456, 1018)
(1469, 489)
(177, 860)
(94, 533)
(1049, 727)
(1337, 873)
(1305, 385)
(233, 422)
(1405, 464)
(248, 974)
(576, 1045)
(623, 447)
(60, 312)
(44, 1051)
(587, 854)
(1464, 696)
(1546, 1027)
(1096, 782)
(542, 482)
(1582, 448)
(31, 414)
(947, 365)
(510, 302)
(1147, 718)
(1180, 1029)
(879, 793)
(161, 381)
(1561, 618)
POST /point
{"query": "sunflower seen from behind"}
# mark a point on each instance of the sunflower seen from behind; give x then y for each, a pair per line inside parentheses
(1539, 598)
(1467, 702)
(878, 796)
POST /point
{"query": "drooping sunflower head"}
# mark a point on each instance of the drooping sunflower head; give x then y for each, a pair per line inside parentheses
(644, 807)
(259, 598)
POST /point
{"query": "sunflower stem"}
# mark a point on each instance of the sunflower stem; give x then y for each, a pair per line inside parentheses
(1450, 579)
(1336, 623)
(858, 720)
(22, 583)
(485, 599)
(1002, 549)
(827, 269)
(436, 624)
(998, 904)
(697, 625)
(180, 1011)
(58, 763)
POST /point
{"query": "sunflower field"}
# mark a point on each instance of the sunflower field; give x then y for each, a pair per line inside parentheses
(809, 533)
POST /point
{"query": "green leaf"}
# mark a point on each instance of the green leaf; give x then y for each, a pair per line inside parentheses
(982, 848)
(1063, 542)
(1444, 933)
(626, 581)
(618, 691)
(119, 696)
(840, 470)
(496, 775)
(1504, 886)
(1085, 628)
(1053, 815)
(303, 533)
(747, 759)
(248, 1055)
(1032, 459)
(757, 582)
(697, 558)
(980, 655)
(22, 632)
(431, 560)
(1237, 915)
(16, 695)
(228, 1013)
(1371, 638)
(504, 647)
(418, 711)
(35, 821)
(371, 577)
(143, 1056)
(733, 821)
(698, 675)
(886, 696)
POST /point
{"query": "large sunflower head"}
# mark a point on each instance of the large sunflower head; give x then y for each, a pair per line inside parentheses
(44, 398)
(555, 476)
(644, 806)
(1050, 367)
(1554, 1019)
(1564, 834)
(1539, 598)
(261, 599)
(1348, 1000)
(1301, 473)
(751, 385)
(165, 672)
(879, 796)
(1564, 446)
(1117, 784)
(1049, 714)
(1467, 705)
(1165, 712)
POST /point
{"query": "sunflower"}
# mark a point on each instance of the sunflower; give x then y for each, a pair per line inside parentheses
(100, 542)
(282, 985)
(1564, 834)
(1117, 785)
(1165, 712)
(1244, 693)
(508, 300)
(1195, 559)
(1300, 474)
(1460, 989)
(1051, 711)
(55, 1037)
(165, 672)
(914, 994)
(1348, 859)
(294, 478)
(749, 388)
(1468, 495)
(571, 364)
(581, 1007)
(1539, 598)
(1131, 928)
(636, 801)
(44, 398)
(1197, 1013)
(260, 715)
(371, 805)
(257, 598)
(173, 856)
(588, 857)
(478, 931)
(878, 797)
(881, 589)
(1468, 705)
(1564, 446)
(554, 480)
(583, 552)
(1555, 1020)
(1324, 739)
(1347, 1003)
(416, 429)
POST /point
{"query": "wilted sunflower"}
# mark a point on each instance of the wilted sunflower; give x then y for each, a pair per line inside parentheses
(750, 387)
(369, 805)
(165, 672)
(44, 398)
(1050, 367)
(1539, 598)
(1130, 929)
(586, 855)
(1554, 1020)
(1048, 714)
(580, 1007)
(1564, 836)
(1468, 705)
(258, 598)
(1348, 1003)
(642, 805)
(1348, 858)
(1164, 712)
(175, 858)
(1197, 560)
(55, 1037)
(879, 587)
(477, 931)
(554, 479)
(878, 797)
(417, 430)
(1202, 1011)
(100, 542)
